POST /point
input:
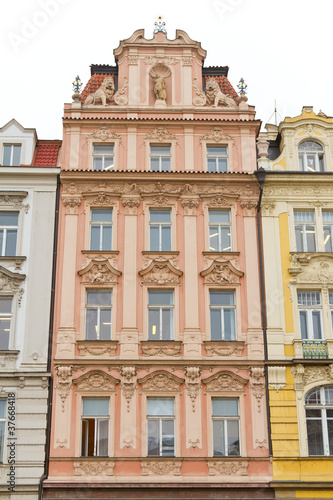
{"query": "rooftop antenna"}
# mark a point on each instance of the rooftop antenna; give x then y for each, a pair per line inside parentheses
(276, 114)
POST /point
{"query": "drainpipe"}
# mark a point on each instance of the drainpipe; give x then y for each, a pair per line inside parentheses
(49, 354)
(261, 174)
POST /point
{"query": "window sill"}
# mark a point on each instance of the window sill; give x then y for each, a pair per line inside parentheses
(160, 348)
(92, 348)
(90, 253)
(224, 347)
(221, 254)
(151, 253)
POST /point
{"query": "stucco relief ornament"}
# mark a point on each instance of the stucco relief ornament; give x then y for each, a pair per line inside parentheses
(200, 98)
(128, 383)
(258, 384)
(104, 468)
(160, 468)
(227, 468)
(130, 205)
(215, 96)
(11, 282)
(304, 375)
(98, 272)
(222, 272)
(160, 381)
(104, 94)
(96, 380)
(160, 134)
(190, 205)
(193, 383)
(226, 349)
(216, 135)
(161, 350)
(64, 384)
(160, 272)
(120, 98)
(224, 381)
(103, 133)
(13, 199)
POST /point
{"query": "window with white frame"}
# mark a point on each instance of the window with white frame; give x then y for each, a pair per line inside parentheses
(330, 296)
(8, 233)
(160, 230)
(3, 407)
(311, 157)
(95, 427)
(309, 307)
(11, 155)
(225, 415)
(103, 157)
(5, 321)
(319, 420)
(327, 216)
(161, 427)
(160, 315)
(160, 158)
(219, 231)
(101, 229)
(98, 314)
(305, 230)
(222, 315)
(217, 159)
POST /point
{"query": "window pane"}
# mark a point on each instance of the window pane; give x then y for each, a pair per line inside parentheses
(103, 149)
(223, 164)
(154, 164)
(95, 407)
(3, 408)
(8, 218)
(328, 238)
(218, 438)
(1, 241)
(108, 162)
(7, 150)
(11, 242)
(153, 324)
(214, 238)
(161, 406)
(88, 437)
(107, 238)
(300, 160)
(299, 238)
(5, 305)
(2, 439)
(216, 150)
(222, 298)
(154, 238)
(168, 439)
(160, 297)
(304, 324)
(211, 164)
(160, 215)
(304, 215)
(229, 324)
(310, 238)
(331, 298)
(233, 437)
(313, 397)
(315, 437)
(219, 216)
(167, 333)
(224, 407)
(97, 163)
(95, 237)
(328, 216)
(160, 150)
(103, 438)
(166, 164)
(16, 155)
(215, 324)
(99, 297)
(91, 324)
(101, 215)
(316, 322)
(166, 238)
(308, 298)
(105, 326)
(330, 435)
(225, 239)
(153, 438)
(329, 395)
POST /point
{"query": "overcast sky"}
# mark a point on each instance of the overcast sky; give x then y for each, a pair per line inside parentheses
(282, 48)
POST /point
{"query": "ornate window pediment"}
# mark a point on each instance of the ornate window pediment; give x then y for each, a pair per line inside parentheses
(11, 282)
(99, 271)
(161, 381)
(309, 268)
(224, 381)
(13, 199)
(160, 272)
(222, 272)
(96, 381)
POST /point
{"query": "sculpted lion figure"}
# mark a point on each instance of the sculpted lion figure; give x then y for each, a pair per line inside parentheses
(104, 94)
(215, 96)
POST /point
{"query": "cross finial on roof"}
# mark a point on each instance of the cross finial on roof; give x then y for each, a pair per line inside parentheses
(159, 26)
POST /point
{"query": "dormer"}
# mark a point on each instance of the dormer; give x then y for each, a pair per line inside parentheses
(17, 144)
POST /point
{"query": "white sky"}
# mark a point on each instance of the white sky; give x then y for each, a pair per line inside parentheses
(282, 48)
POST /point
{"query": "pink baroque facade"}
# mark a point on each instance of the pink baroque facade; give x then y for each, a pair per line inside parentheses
(158, 357)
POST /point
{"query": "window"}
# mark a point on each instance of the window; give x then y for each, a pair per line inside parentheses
(8, 233)
(330, 295)
(319, 420)
(101, 230)
(3, 406)
(98, 315)
(11, 155)
(222, 315)
(95, 427)
(160, 230)
(225, 427)
(219, 231)
(160, 315)
(305, 231)
(161, 427)
(103, 157)
(5, 322)
(311, 157)
(160, 158)
(217, 159)
(328, 229)
(309, 306)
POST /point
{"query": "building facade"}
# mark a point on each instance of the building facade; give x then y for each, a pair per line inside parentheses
(27, 213)
(297, 222)
(158, 349)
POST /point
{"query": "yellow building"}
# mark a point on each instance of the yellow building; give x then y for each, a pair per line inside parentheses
(295, 172)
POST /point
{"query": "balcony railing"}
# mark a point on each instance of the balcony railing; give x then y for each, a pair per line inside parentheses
(314, 349)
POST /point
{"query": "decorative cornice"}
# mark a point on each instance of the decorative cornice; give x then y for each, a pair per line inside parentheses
(13, 199)
(305, 375)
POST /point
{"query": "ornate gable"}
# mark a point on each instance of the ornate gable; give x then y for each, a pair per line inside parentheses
(222, 272)
(224, 381)
(160, 272)
(99, 271)
(160, 381)
(96, 381)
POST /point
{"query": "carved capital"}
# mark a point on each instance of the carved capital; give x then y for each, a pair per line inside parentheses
(190, 205)
(128, 383)
(193, 383)
(249, 208)
(257, 384)
(72, 203)
(131, 205)
(267, 208)
(64, 383)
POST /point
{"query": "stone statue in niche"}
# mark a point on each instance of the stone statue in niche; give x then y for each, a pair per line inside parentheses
(215, 96)
(159, 73)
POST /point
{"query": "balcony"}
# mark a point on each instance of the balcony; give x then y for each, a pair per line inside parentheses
(314, 349)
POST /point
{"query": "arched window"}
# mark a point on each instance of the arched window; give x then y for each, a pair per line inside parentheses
(311, 157)
(319, 420)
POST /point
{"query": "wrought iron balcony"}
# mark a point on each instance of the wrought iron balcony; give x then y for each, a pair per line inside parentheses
(314, 349)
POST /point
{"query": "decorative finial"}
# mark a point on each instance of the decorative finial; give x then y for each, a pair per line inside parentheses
(159, 26)
(242, 86)
(77, 84)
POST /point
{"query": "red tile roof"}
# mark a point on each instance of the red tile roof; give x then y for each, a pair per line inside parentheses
(225, 85)
(93, 84)
(46, 154)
